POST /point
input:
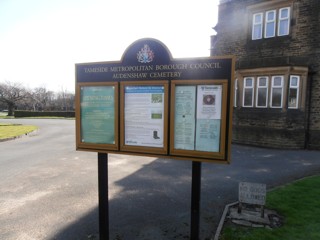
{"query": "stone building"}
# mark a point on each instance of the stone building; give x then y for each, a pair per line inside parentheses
(277, 85)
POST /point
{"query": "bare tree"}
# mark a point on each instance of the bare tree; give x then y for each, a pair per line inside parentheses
(11, 94)
(3, 106)
(65, 100)
(40, 98)
(50, 101)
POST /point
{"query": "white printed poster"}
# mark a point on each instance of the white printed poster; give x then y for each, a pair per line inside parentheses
(209, 102)
(144, 116)
(184, 119)
(208, 118)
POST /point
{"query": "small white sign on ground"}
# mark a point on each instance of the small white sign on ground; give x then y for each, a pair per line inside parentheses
(252, 193)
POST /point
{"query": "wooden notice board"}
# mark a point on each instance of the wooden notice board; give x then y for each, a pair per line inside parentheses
(151, 104)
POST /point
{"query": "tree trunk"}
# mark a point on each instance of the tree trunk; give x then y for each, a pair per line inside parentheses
(10, 109)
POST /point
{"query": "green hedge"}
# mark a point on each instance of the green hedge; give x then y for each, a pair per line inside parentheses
(19, 113)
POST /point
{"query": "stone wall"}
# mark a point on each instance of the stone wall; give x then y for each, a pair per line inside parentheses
(284, 128)
(269, 128)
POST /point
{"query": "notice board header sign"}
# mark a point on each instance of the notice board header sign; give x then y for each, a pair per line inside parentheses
(151, 104)
(149, 59)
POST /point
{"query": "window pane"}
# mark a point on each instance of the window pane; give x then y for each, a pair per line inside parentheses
(270, 16)
(262, 97)
(284, 13)
(262, 82)
(284, 21)
(293, 82)
(257, 26)
(262, 92)
(235, 93)
(284, 27)
(270, 24)
(270, 29)
(248, 82)
(257, 32)
(293, 94)
(248, 97)
(277, 81)
(276, 97)
(292, 102)
(257, 18)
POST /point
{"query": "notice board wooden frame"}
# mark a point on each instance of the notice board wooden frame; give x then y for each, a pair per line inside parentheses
(144, 149)
(147, 62)
(205, 155)
(99, 146)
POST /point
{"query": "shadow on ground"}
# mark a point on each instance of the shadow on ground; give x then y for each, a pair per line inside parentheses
(154, 202)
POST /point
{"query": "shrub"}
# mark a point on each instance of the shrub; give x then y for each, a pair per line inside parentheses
(19, 113)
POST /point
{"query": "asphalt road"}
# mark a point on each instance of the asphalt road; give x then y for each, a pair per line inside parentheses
(50, 191)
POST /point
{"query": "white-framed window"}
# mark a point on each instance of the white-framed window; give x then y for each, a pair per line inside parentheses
(293, 94)
(275, 88)
(284, 21)
(262, 92)
(270, 24)
(248, 92)
(235, 93)
(257, 25)
(276, 92)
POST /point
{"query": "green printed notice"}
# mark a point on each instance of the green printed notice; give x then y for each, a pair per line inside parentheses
(97, 114)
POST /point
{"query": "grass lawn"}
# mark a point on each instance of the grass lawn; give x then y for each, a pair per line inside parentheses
(8, 130)
(298, 203)
(4, 115)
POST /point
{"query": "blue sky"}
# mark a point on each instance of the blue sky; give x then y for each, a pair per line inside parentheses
(41, 40)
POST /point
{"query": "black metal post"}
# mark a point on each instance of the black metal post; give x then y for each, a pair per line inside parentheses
(103, 196)
(195, 200)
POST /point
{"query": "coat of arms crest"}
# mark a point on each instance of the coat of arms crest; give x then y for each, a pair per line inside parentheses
(145, 55)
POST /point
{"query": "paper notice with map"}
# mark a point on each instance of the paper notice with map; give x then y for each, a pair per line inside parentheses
(144, 116)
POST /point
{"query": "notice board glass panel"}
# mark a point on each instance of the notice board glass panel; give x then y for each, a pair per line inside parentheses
(185, 110)
(144, 117)
(209, 99)
(98, 116)
(197, 128)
